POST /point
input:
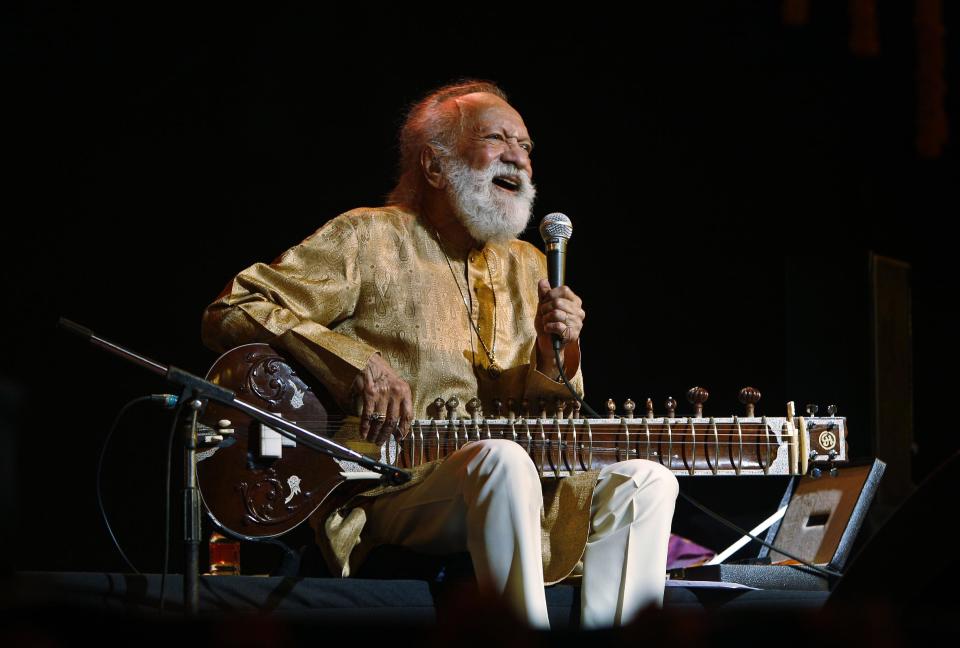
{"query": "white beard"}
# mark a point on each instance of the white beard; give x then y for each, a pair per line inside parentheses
(487, 212)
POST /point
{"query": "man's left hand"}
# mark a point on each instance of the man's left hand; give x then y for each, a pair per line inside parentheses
(560, 313)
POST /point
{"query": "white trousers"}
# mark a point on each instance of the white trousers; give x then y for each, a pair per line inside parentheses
(486, 499)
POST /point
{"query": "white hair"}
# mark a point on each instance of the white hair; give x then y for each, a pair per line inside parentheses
(430, 122)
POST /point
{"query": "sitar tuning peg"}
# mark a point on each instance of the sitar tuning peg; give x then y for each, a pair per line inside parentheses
(558, 406)
(832, 410)
(749, 396)
(611, 408)
(473, 407)
(697, 396)
(628, 407)
(649, 408)
(497, 408)
(452, 404)
(575, 409)
(438, 407)
(812, 409)
(671, 407)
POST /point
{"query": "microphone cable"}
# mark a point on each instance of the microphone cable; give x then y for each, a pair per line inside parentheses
(573, 392)
(166, 505)
(167, 400)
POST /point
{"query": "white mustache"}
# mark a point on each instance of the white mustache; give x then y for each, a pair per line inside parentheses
(501, 168)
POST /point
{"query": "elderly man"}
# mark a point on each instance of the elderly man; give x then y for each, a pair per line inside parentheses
(433, 296)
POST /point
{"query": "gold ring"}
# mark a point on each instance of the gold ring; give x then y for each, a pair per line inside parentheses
(377, 417)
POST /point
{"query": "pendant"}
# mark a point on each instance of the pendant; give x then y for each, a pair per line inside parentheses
(494, 370)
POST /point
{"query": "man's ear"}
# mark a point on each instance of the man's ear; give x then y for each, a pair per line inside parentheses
(430, 164)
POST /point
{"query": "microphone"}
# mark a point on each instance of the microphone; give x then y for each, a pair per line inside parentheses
(556, 229)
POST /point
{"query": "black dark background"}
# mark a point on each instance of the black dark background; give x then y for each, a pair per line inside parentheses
(706, 153)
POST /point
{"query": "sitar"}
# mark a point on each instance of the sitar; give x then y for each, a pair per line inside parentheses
(257, 483)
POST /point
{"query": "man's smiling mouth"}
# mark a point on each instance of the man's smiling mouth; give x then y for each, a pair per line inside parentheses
(509, 183)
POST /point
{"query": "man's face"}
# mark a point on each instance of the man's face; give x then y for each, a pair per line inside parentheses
(493, 130)
(489, 174)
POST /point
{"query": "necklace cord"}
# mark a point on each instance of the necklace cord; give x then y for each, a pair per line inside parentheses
(490, 351)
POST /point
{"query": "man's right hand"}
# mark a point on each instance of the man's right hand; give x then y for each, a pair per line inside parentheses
(387, 401)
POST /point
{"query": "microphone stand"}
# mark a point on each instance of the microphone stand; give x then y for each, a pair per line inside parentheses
(194, 390)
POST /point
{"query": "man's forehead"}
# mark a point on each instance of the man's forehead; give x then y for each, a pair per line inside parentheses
(485, 110)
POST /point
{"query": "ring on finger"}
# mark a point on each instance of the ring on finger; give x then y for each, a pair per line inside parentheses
(377, 417)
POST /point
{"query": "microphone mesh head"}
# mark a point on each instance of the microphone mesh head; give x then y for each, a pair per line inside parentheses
(555, 226)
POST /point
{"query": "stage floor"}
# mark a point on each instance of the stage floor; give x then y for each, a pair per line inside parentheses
(345, 601)
(50, 609)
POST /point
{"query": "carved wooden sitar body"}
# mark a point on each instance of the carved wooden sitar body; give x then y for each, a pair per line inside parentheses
(257, 483)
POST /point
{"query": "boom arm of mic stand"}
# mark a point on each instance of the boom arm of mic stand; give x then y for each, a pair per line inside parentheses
(206, 389)
(201, 388)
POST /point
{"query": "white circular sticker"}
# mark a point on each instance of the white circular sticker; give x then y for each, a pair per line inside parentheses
(828, 440)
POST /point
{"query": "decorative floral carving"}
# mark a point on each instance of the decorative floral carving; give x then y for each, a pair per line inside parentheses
(265, 501)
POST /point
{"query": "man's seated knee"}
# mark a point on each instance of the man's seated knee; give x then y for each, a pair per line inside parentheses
(648, 476)
(502, 455)
(666, 481)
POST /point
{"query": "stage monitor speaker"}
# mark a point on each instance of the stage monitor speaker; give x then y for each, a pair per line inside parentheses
(911, 556)
(825, 514)
(822, 520)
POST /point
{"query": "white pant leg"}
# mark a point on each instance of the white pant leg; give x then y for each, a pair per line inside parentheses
(625, 560)
(484, 498)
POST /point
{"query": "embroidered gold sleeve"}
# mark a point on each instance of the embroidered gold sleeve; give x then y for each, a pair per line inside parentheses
(294, 303)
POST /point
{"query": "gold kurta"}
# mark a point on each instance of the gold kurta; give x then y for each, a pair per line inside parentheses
(376, 280)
